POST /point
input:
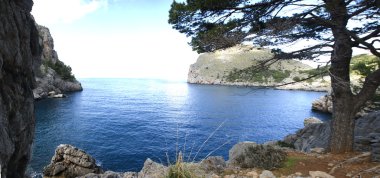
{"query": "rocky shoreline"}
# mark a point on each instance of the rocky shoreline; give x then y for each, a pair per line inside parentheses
(310, 142)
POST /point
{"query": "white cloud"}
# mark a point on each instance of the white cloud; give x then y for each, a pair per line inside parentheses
(48, 12)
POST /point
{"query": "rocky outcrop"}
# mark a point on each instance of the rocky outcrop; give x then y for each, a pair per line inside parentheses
(19, 49)
(153, 170)
(262, 156)
(217, 68)
(311, 120)
(237, 150)
(367, 136)
(52, 75)
(323, 104)
(312, 136)
(214, 164)
(71, 162)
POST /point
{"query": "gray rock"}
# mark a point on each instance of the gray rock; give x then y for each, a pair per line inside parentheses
(311, 120)
(19, 50)
(323, 104)
(320, 174)
(318, 150)
(69, 161)
(312, 136)
(152, 169)
(267, 174)
(251, 155)
(237, 150)
(110, 174)
(214, 164)
(367, 136)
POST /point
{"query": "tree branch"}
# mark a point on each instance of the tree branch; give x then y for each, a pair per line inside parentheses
(364, 43)
(371, 83)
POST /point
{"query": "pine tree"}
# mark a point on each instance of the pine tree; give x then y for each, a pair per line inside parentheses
(336, 27)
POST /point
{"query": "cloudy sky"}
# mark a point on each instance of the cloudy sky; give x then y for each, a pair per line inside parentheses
(116, 38)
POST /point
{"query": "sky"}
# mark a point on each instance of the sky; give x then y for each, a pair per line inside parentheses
(120, 38)
(116, 38)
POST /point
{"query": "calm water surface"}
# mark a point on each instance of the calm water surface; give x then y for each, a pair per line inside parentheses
(122, 122)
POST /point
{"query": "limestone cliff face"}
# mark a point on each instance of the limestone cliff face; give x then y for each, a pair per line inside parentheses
(19, 49)
(52, 75)
(218, 68)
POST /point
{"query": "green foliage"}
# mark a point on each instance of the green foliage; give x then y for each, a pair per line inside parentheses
(261, 156)
(296, 79)
(179, 169)
(62, 70)
(364, 64)
(261, 76)
(284, 144)
(323, 71)
(291, 161)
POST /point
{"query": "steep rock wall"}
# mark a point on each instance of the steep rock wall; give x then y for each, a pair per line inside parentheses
(19, 49)
(49, 71)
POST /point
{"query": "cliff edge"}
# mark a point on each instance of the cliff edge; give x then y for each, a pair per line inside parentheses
(19, 50)
(232, 66)
(53, 77)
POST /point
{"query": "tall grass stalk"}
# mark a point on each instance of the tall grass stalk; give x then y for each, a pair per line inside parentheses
(209, 137)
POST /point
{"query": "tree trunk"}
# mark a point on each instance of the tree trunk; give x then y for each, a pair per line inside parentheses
(344, 110)
(343, 124)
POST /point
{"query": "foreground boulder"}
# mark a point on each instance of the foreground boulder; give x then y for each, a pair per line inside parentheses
(367, 136)
(311, 136)
(152, 169)
(248, 155)
(237, 150)
(69, 161)
(19, 50)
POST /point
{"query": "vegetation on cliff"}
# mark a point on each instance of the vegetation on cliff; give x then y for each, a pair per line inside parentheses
(61, 68)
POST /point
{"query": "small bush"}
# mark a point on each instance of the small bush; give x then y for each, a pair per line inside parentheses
(284, 144)
(179, 169)
(296, 79)
(261, 156)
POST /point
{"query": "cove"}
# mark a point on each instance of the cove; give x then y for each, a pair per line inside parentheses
(122, 122)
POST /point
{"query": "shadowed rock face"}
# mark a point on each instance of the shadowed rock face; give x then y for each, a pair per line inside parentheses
(19, 48)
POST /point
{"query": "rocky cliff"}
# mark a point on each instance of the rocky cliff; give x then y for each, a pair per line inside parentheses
(53, 77)
(19, 49)
(232, 67)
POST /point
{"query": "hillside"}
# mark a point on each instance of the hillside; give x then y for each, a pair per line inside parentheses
(232, 67)
(53, 77)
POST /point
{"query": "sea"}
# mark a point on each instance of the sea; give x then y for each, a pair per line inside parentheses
(122, 122)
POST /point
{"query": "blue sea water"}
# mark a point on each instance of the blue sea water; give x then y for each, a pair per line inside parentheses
(122, 122)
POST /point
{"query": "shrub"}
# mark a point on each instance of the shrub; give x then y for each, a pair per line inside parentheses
(261, 156)
(296, 79)
(62, 70)
(362, 68)
(179, 169)
(284, 144)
